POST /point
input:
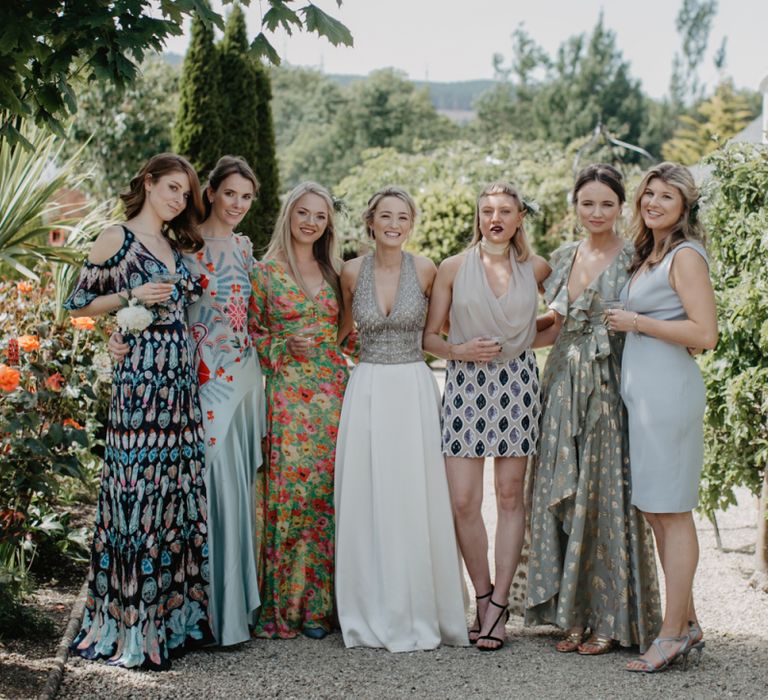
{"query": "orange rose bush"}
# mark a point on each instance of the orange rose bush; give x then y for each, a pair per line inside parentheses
(54, 394)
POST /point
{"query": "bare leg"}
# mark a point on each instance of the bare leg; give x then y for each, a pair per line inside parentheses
(509, 478)
(465, 483)
(679, 553)
(658, 532)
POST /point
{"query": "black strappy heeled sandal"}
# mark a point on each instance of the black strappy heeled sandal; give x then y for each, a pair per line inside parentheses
(477, 617)
(504, 612)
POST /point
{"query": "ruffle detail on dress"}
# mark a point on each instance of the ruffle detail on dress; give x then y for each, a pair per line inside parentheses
(556, 285)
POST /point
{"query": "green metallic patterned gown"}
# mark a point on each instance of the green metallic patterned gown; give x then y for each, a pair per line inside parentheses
(591, 561)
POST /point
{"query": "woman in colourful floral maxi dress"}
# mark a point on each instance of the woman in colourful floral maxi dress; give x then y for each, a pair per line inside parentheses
(296, 303)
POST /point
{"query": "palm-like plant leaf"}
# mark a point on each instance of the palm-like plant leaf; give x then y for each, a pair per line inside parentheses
(28, 182)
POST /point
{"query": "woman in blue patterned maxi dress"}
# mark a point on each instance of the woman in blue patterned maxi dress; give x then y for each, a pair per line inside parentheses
(147, 586)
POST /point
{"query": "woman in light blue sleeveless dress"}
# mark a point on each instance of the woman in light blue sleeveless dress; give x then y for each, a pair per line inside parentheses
(398, 574)
(669, 309)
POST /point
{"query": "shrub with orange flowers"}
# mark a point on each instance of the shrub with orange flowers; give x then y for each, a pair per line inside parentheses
(28, 343)
(53, 402)
(9, 378)
(83, 323)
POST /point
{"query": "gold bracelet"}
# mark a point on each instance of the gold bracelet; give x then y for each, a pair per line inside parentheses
(634, 323)
(450, 351)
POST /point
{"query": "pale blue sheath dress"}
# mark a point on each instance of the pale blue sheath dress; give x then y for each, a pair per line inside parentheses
(663, 390)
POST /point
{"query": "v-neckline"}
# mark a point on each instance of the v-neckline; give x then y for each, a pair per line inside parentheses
(485, 276)
(165, 265)
(397, 293)
(637, 276)
(594, 279)
(312, 299)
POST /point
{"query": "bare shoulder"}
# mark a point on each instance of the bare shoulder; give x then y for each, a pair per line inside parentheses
(426, 271)
(107, 243)
(541, 268)
(424, 266)
(351, 270)
(422, 262)
(450, 266)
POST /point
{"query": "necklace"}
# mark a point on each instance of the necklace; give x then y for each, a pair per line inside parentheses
(494, 248)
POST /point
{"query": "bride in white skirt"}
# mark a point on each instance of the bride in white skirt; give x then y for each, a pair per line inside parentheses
(398, 574)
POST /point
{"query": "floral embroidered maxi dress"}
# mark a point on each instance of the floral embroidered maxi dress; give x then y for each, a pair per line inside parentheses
(304, 399)
(591, 561)
(147, 585)
(232, 402)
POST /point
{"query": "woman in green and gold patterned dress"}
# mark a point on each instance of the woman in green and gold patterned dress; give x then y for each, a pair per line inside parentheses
(295, 306)
(591, 565)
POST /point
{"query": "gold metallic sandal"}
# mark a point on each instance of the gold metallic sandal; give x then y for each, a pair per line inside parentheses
(570, 642)
(595, 645)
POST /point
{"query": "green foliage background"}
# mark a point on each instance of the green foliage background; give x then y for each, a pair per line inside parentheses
(246, 125)
(736, 372)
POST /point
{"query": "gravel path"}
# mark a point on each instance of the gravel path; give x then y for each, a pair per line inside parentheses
(734, 664)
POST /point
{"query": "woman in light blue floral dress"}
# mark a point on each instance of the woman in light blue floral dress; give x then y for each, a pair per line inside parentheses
(231, 396)
(148, 581)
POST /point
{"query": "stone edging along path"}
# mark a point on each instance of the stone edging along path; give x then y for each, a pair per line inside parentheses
(62, 651)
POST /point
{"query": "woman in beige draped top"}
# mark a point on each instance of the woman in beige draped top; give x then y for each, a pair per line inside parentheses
(491, 400)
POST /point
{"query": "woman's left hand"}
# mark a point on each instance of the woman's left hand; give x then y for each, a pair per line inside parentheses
(620, 320)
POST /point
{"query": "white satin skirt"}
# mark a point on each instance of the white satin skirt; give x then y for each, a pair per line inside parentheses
(399, 580)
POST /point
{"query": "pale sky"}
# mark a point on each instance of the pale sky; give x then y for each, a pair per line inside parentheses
(446, 40)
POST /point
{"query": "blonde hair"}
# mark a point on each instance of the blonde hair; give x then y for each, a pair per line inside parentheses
(324, 249)
(519, 240)
(687, 228)
(373, 202)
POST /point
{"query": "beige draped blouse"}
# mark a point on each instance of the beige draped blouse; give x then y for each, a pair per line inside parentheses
(477, 312)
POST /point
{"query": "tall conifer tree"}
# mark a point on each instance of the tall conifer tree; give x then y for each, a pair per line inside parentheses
(247, 128)
(197, 131)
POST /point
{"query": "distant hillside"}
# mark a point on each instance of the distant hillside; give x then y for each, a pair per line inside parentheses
(174, 59)
(453, 99)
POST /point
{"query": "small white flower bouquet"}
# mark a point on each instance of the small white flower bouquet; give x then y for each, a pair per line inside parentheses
(134, 317)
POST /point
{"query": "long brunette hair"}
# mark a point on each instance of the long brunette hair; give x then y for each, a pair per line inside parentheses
(181, 231)
(226, 166)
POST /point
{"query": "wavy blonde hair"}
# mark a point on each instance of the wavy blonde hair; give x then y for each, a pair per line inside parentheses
(389, 191)
(519, 240)
(324, 249)
(687, 228)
